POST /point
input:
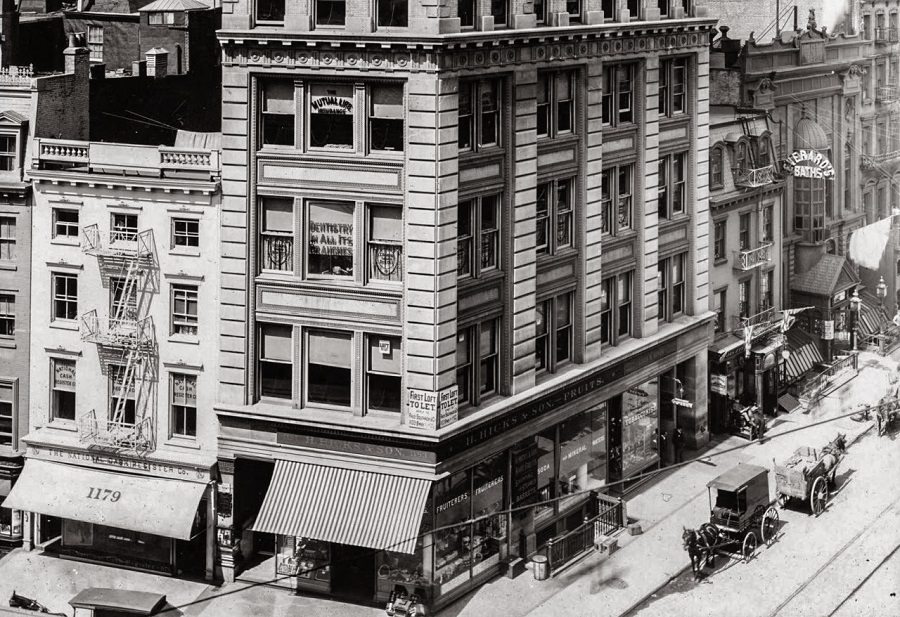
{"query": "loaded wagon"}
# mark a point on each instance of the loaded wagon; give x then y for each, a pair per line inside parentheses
(808, 474)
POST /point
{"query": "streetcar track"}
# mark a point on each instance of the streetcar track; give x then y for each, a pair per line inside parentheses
(830, 561)
(863, 582)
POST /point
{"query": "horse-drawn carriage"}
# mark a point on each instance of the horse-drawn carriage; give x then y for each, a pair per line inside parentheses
(740, 516)
(808, 474)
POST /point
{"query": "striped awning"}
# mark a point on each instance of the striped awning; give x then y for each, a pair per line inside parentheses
(871, 320)
(804, 355)
(344, 506)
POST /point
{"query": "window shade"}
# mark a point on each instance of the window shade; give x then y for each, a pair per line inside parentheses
(276, 343)
(330, 348)
(387, 102)
(387, 223)
(278, 215)
(278, 97)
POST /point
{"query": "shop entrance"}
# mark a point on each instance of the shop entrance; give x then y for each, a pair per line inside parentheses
(353, 572)
(251, 481)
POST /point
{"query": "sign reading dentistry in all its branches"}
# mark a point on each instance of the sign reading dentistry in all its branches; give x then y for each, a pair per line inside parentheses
(809, 164)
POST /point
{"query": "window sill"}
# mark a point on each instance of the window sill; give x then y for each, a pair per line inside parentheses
(61, 324)
(10, 266)
(63, 241)
(8, 342)
(63, 425)
(184, 338)
(320, 285)
(721, 261)
(492, 276)
(189, 443)
(185, 252)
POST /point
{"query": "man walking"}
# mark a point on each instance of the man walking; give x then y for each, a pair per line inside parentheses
(663, 448)
(678, 442)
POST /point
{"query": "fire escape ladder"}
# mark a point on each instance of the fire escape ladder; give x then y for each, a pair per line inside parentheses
(126, 385)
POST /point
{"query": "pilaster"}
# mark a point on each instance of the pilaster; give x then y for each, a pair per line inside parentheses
(645, 208)
(592, 215)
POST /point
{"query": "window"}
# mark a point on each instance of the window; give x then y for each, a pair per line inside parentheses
(663, 6)
(719, 307)
(275, 361)
(744, 298)
(331, 116)
(278, 112)
(65, 223)
(540, 11)
(122, 299)
(763, 151)
(766, 285)
(478, 235)
(573, 8)
(270, 10)
(672, 188)
(867, 27)
(466, 13)
(618, 94)
(184, 309)
(121, 395)
(554, 216)
(671, 293)
(393, 13)
(609, 9)
(719, 228)
(768, 233)
(716, 164)
(386, 118)
(329, 373)
(672, 84)
(553, 343)
(742, 155)
(617, 215)
(185, 233)
(62, 389)
(7, 315)
(183, 403)
(330, 239)
(124, 228)
(276, 235)
(616, 307)
(95, 43)
(385, 244)
(8, 158)
(634, 9)
(555, 104)
(383, 382)
(65, 296)
(7, 405)
(499, 11)
(809, 214)
(7, 238)
(330, 12)
(479, 114)
(160, 18)
(744, 232)
(478, 361)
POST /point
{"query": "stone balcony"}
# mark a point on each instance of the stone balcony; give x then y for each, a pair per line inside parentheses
(871, 161)
(886, 36)
(752, 258)
(752, 178)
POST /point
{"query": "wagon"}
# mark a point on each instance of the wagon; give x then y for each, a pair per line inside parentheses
(741, 511)
(808, 474)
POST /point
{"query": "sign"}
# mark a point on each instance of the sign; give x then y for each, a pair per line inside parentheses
(120, 463)
(718, 384)
(64, 375)
(809, 164)
(332, 104)
(384, 346)
(431, 410)
(448, 406)
(828, 329)
(680, 402)
(524, 473)
(224, 505)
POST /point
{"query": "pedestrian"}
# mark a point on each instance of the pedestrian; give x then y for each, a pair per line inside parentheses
(678, 442)
(663, 448)
(654, 440)
(760, 424)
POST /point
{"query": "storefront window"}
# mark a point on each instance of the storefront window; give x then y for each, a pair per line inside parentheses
(598, 448)
(546, 473)
(412, 572)
(575, 439)
(330, 239)
(117, 546)
(452, 547)
(640, 416)
(304, 558)
(489, 533)
(10, 523)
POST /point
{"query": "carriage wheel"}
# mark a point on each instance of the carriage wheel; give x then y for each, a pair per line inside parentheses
(818, 496)
(769, 526)
(749, 545)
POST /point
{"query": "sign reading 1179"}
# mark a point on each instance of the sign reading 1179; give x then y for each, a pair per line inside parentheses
(104, 494)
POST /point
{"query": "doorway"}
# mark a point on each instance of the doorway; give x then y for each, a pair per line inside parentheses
(353, 572)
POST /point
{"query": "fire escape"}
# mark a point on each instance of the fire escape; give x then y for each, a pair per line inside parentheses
(126, 342)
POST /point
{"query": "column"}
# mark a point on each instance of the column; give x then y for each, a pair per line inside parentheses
(646, 215)
(694, 421)
(592, 255)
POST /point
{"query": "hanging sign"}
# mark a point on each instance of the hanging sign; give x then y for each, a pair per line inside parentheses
(828, 330)
(718, 384)
(809, 164)
(680, 402)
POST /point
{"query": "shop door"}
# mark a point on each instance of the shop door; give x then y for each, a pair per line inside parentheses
(770, 391)
(353, 572)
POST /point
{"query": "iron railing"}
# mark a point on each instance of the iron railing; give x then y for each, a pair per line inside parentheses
(134, 334)
(752, 178)
(886, 35)
(104, 433)
(752, 258)
(886, 94)
(563, 549)
(121, 243)
(816, 387)
(16, 75)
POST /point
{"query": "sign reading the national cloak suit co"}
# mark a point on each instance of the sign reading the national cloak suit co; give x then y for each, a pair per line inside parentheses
(432, 410)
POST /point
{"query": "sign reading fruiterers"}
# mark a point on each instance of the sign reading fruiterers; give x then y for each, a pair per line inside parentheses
(809, 164)
(431, 410)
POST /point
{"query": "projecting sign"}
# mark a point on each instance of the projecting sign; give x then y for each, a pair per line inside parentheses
(828, 330)
(718, 384)
(680, 402)
(809, 164)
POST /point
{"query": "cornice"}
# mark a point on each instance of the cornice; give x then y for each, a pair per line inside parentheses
(129, 183)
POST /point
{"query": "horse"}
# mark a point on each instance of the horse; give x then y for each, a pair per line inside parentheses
(700, 545)
(831, 456)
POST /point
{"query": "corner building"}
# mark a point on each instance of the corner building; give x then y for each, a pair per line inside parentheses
(464, 271)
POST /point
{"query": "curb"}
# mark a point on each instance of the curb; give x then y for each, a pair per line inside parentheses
(641, 600)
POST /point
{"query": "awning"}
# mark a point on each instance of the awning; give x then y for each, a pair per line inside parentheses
(137, 503)
(804, 355)
(5, 487)
(344, 506)
(788, 402)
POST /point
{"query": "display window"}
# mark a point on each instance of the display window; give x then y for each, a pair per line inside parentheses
(116, 546)
(10, 523)
(490, 528)
(302, 557)
(546, 474)
(597, 464)
(574, 458)
(640, 416)
(452, 545)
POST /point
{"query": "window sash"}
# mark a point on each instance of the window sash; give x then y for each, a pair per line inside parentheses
(124, 228)
(65, 223)
(65, 296)
(184, 310)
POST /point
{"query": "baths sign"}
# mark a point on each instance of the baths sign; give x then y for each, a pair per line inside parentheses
(809, 164)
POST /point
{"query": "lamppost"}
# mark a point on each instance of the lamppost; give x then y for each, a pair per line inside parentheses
(785, 354)
(854, 315)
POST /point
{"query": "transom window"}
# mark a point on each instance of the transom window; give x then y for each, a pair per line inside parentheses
(184, 309)
(183, 404)
(478, 361)
(185, 233)
(672, 186)
(616, 199)
(7, 315)
(65, 223)
(479, 114)
(553, 344)
(618, 94)
(7, 238)
(671, 290)
(672, 86)
(616, 308)
(65, 296)
(8, 157)
(478, 235)
(555, 103)
(553, 221)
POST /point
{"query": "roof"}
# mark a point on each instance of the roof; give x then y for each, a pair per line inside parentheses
(139, 602)
(738, 477)
(808, 135)
(174, 5)
(123, 7)
(830, 275)
(8, 115)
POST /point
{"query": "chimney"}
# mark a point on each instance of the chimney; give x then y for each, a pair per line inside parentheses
(157, 62)
(76, 59)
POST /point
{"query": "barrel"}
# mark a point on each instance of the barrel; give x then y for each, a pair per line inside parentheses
(541, 567)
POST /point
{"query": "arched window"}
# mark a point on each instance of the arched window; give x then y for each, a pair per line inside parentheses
(764, 150)
(809, 208)
(742, 155)
(716, 164)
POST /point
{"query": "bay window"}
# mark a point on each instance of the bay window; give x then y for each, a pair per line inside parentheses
(618, 94)
(478, 235)
(553, 220)
(616, 308)
(383, 381)
(479, 114)
(478, 361)
(616, 199)
(278, 113)
(275, 365)
(555, 103)
(329, 367)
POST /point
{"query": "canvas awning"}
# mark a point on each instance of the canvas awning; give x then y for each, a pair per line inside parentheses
(138, 503)
(804, 355)
(344, 506)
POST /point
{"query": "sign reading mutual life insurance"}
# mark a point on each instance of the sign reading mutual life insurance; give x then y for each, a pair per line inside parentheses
(809, 164)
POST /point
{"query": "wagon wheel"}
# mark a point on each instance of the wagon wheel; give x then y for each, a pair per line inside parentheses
(818, 496)
(749, 546)
(769, 526)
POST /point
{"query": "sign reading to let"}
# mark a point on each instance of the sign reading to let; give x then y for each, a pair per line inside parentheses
(431, 410)
(809, 164)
